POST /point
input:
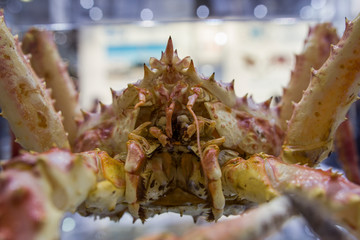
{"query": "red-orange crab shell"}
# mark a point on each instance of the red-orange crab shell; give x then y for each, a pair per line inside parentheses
(161, 98)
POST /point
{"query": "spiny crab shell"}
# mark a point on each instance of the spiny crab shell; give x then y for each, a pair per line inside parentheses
(172, 79)
(175, 112)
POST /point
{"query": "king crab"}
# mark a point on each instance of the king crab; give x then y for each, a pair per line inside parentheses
(174, 141)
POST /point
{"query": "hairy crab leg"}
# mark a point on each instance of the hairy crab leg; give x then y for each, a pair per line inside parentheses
(333, 88)
(263, 177)
(24, 100)
(316, 51)
(47, 64)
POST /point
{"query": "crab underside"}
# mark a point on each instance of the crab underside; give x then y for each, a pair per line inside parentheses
(177, 141)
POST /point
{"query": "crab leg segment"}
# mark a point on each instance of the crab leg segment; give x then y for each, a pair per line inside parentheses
(262, 177)
(24, 100)
(333, 88)
(39, 188)
(316, 51)
(47, 63)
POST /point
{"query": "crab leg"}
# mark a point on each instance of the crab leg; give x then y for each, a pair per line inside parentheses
(263, 177)
(333, 88)
(39, 188)
(47, 63)
(316, 51)
(254, 224)
(24, 100)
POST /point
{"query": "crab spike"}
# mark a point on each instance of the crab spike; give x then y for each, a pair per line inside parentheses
(167, 56)
(313, 72)
(191, 69)
(86, 115)
(245, 97)
(212, 77)
(148, 74)
(267, 103)
(333, 49)
(103, 107)
(195, 218)
(347, 22)
(232, 85)
(115, 94)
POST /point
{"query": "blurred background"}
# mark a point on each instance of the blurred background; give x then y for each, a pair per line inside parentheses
(106, 43)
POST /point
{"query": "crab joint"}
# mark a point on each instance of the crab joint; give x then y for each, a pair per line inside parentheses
(157, 133)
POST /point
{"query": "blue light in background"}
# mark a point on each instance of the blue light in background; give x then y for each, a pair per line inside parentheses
(134, 53)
